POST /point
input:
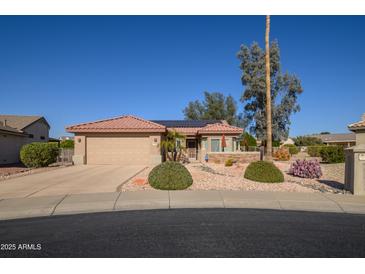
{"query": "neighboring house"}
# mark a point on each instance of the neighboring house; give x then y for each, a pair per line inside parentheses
(288, 141)
(341, 139)
(359, 131)
(16, 131)
(132, 140)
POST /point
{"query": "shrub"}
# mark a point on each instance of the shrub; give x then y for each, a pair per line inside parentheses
(228, 162)
(248, 140)
(306, 169)
(38, 154)
(332, 154)
(282, 154)
(275, 143)
(293, 149)
(170, 176)
(67, 144)
(307, 141)
(314, 151)
(262, 171)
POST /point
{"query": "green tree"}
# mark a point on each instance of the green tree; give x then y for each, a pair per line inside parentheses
(67, 144)
(247, 140)
(284, 88)
(173, 145)
(215, 106)
(307, 141)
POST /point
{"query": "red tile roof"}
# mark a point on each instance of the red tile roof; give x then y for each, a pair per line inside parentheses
(131, 123)
(186, 130)
(220, 128)
(358, 125)
(126, 123)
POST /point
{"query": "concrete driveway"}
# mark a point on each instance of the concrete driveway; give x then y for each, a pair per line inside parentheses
(69, 180)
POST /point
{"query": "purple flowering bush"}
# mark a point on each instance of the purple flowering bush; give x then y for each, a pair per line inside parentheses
(306, 169)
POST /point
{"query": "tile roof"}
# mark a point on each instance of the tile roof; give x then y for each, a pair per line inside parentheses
(220, 128)
(19, 122)
(127, 123)
(186, 130)
(186, 123)
(337, 137)
(357, 125)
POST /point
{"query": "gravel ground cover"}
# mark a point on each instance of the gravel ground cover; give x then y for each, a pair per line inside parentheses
(212, 176)
(17, 170)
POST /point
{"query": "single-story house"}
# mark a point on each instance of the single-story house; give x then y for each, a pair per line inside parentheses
(16, 131)
(340, 139)
(132, 140)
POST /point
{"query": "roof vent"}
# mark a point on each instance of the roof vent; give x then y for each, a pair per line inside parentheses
(5, 123)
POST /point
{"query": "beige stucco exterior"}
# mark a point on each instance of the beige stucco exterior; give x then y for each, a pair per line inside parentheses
(11, 143)
(118, 148)
(355, 162)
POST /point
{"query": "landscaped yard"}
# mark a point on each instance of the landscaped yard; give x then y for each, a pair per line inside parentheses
(212, 176)
(15, 170)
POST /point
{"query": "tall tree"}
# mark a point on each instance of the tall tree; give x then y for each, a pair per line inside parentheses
(284, 91)
(268, 91)
(215, 106)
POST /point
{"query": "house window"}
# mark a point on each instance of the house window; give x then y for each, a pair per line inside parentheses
(215, 145)
(42, 138)
(31, 136)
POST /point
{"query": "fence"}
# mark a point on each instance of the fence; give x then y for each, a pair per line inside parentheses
(65, 155)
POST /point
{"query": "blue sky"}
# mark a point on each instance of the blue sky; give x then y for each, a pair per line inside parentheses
(82, 68)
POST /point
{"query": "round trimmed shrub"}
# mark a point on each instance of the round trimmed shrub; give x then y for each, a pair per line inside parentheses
(263, 171)
(39, 154)
(293, 149)
(170, 176)
(228, 162)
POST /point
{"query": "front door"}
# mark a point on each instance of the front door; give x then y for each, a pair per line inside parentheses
(191, 147)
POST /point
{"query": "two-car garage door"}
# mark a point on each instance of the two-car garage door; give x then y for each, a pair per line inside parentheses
(118, 150)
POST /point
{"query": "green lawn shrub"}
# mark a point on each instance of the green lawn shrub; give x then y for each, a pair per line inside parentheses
(170, 176)
(332, 154)
(263, 171)
(293, 149)
(67, 144)
(39, 154)
(228, 162)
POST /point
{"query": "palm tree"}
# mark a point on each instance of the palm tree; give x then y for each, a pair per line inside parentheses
(268, 93)
(173, 145)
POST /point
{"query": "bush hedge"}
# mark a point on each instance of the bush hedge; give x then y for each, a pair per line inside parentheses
(67, 144)
(39, 154)
(170, 176)
(314, 151)
(307, 141)
(282, 154)
(228, 162)
(332, 154)
(306, 169)
(329, 154)
(293, 149)
(262, 171)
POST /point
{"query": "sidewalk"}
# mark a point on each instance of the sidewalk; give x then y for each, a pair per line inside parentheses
(140, 200)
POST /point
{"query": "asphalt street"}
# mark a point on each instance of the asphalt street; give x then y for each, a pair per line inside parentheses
(186, 233)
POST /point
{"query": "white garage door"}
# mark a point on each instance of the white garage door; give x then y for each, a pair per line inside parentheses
(118, 150)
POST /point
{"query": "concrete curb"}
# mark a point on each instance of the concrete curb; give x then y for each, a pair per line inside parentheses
(15, 208)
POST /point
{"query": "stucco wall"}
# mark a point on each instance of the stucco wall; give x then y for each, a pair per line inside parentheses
(241, 157)
(10, 144)
(38, 129)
